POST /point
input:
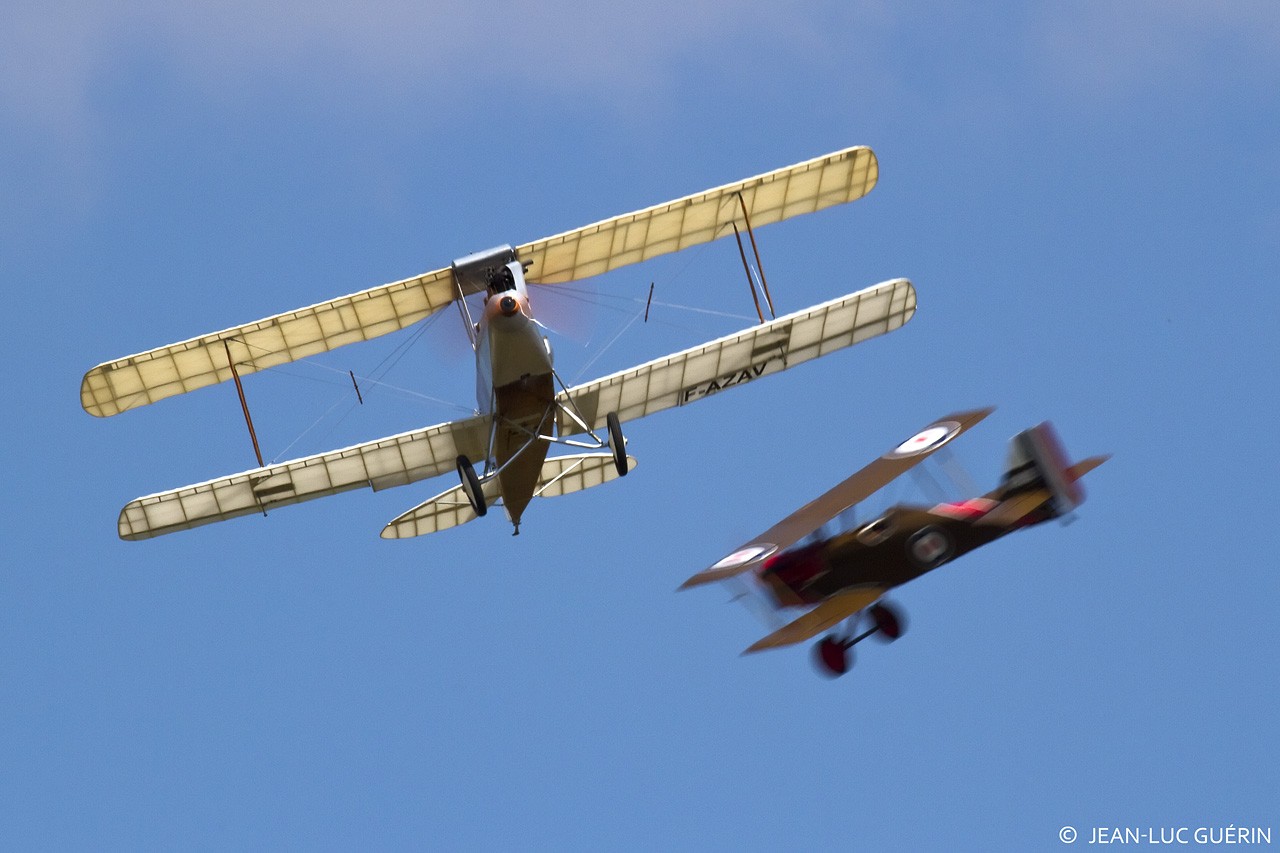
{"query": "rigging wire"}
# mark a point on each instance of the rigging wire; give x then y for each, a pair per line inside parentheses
(371, 381)
(588, 297)
(626, 305)
(605, 348)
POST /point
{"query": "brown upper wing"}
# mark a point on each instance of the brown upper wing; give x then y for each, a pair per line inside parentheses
(856, 488)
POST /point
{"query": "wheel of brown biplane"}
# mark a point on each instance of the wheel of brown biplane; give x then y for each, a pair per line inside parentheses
(832, 656)
(889, 621)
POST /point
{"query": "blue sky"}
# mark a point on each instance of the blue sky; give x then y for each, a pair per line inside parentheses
(1085, 199)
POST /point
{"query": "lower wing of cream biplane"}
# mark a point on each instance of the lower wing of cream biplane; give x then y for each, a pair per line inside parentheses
(674, 380)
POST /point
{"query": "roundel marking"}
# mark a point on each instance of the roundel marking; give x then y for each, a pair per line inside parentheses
(926, 440)
(746, 555)
(930, 547)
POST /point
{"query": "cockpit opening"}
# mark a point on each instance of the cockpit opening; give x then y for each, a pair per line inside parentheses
(501, 281)
(876, 531)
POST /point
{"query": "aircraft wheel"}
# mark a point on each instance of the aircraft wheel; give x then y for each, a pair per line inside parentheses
(616, 444)
(889, 621)
(832, 656)
(471, 485)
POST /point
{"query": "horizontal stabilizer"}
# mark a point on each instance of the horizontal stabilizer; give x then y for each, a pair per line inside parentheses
(1019, 505)
(448, 509)
(705, 370)
(560, 475)
(1084, 466)
(829, 613)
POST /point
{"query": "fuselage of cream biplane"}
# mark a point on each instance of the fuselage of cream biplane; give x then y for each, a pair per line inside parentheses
(836, 577)
(523, 407)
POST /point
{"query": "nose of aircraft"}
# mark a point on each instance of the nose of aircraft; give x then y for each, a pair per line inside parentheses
(509, 306)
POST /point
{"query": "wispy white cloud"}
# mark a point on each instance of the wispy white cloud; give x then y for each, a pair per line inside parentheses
(56, 53)
(1106, 50)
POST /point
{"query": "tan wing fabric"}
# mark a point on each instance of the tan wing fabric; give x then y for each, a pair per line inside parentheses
(381, 464)
(1078, 470)
(143, 378)
(448, 509)
(560, 476)
(856, 488)
(833, 611)
(633, 237)
(702, 371)
(146, 377)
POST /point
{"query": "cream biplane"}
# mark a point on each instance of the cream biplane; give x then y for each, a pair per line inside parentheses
(524, 407)
(837, 576)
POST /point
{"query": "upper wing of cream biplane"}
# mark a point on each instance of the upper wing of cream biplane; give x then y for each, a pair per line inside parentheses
(126, 383)
(768, 348)
(855, 489)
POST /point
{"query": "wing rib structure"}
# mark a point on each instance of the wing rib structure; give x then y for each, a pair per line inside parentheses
(560, 476)
(705, 370)
(405, 458)
(145, 377)
(392, 461)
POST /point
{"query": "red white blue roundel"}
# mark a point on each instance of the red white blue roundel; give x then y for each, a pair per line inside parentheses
(746, 555)
(930, 547)
(926, 440)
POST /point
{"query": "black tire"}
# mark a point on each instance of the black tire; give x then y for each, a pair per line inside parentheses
(617, 445)
(832, 657)
(889, 621)
(471, 486)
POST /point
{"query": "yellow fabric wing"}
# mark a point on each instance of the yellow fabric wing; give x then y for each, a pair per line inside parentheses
(702, 371)
(392, 461)
(143, 378)
(822, 182)
(137, 380)
(560, 476)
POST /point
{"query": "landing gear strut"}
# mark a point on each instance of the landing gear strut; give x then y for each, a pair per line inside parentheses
(471, 486)
(833, 654)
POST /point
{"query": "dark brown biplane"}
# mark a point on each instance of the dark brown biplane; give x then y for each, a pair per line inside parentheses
(841, 576)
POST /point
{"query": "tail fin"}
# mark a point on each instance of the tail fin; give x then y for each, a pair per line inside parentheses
(1038, 463)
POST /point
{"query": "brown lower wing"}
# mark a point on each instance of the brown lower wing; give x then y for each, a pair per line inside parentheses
(833, 611)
